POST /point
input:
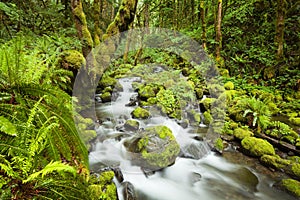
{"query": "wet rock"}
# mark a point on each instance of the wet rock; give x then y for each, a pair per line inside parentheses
(106, 97)
(118, 174)
(154, 148)
(183, 123)
(195, 177)
(131, 125)
(194, 150)
(129, 192)
(257, 147)
(133, 100)
(140, 113)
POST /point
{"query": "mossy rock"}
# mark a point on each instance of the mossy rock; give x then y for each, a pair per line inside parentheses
(140, 113)
(106, 97)
(240, 133)
(218, 144)
(199, 92)
(131, 125)
(168, 103)
(107, 81)
(297, 143)
(147, 91)
(296, 170)
(205, 104)
(275, 162)
(207, 117)
(257, 147)
(156, 146)
(194, 116)
(72, 59)
(292, 186)
(295, 120)
(229, 85)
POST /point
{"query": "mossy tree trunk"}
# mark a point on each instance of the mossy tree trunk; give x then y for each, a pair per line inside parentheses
(97, 30)
(218, 30)
(81, 27)
(123, 19)
(279, 38)
(203, 23)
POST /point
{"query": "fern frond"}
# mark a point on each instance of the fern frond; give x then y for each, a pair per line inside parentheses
(7, 127)
(5, 165)
(56, 166)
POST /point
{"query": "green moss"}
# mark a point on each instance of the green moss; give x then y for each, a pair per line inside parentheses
(106, 177)
(107, 81)
(273, 108)
(111, 192)
(229, 85)
(240, 133)
(72, 59)
(275, 161)
(296, 169)
(219, 144)
(207, 117)
(295, 120)
(106, 97)
(292, 186)
(132, 125)
(147, 91)
(207, 103)
(95, 191)
(168, 103)
(257, 147)
(140, 113)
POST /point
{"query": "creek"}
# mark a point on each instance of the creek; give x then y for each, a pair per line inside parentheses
(204, 175)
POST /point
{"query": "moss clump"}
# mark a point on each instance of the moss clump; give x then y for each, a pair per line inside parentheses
(206, 103)
(107, 81)
(207, 117)
(274, 161)
(219, 144)
(292, 186)
(147, 91)
(168, 103)
(240, 133)
(103, 187)
(229, 85)
(257, 147)
(131, 125)
(140, 113)
(72, 59)
(106, 97)
(295, 120)
(296, 169)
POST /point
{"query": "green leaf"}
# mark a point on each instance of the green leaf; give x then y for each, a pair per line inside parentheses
(57, 166)
(7, 127)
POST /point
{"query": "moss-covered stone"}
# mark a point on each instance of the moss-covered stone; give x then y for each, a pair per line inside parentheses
(240, 133)
(103, 187)
(229, 85)
(147, 91)
(107, 81)
(257, 147)
(295, 120)
(207, 117)
(106, 97)
(292, 186)
(140, 113)
(296, 170)
(219, 144)
(275, 162)
(206, 103)
(131, 125)
(156, 145)
(194, 116)
(168, 103)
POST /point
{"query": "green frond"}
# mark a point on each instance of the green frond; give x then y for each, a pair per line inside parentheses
(7, 127)
(5, 165)
(57, 166)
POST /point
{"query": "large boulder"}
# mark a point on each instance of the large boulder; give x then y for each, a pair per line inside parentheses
(257, 147)
(154, 148)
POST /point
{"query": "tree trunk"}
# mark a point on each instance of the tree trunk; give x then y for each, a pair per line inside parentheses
(123, 19)
(279, 38)
(97, 31)
(81, 27)
(218, 31)
(203, 23)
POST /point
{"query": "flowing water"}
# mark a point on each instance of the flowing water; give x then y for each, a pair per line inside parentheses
(205, 176)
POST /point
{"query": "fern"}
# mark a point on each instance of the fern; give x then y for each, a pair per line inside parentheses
(57, 166)
(7, 127)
